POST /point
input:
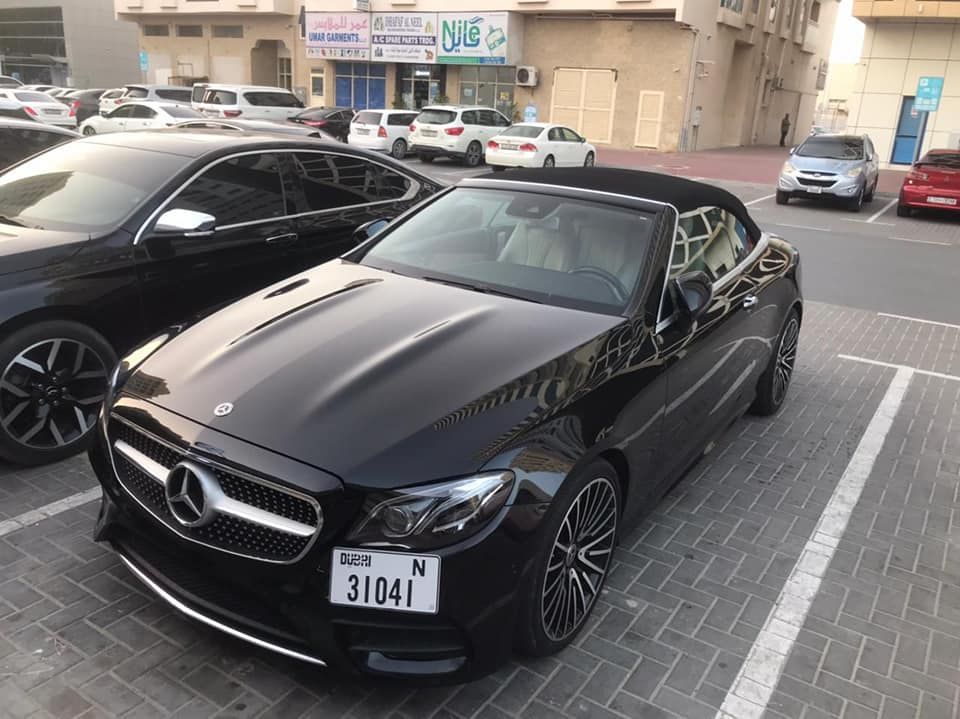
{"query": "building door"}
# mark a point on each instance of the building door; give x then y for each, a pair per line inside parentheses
(361, 85)
(584, 100)
(908, 133)
(420, 85)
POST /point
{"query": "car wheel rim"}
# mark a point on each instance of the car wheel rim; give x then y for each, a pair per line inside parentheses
(548, 162)
(51, 392)
(786, 358)
(473, 155)
(579, 559)
(589, 162)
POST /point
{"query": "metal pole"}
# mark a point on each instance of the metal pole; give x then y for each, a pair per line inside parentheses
(923, 131)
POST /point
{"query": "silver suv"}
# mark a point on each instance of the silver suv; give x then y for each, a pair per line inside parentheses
(836, 166)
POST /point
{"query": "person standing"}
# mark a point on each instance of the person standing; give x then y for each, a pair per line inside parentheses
(784, 128)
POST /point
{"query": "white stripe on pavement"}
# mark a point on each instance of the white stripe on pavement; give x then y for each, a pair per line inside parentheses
(917, 319)
(894, 365)
(759, 199)
(48, 510)
(922, 242)
(886, 207)
(757, 679)
(801, 227)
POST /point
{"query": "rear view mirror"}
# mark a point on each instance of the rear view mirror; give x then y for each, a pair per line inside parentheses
(694, 293)
(189, 223)
(369, 229)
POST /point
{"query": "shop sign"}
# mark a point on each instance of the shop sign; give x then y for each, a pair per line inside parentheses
(473, 39)
(404, 37)
(338, 36)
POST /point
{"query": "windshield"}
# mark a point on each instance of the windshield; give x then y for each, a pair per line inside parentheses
(32, 97)
(942, 159)
(834, 148)
(522, 131)
(538, 247)
(367, 118)
(82, 187)
(437, 117)
(134, 92)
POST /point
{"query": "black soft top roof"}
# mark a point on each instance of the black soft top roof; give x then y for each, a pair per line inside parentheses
(683, 194)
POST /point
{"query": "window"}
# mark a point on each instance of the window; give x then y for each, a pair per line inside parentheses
(488, 85)
(492, 119)
(711, 240)
(555, 135)
(241, 189)
(367, 117)
(122, 111)
(735, 5)
(17, 143)
(360, 85)
(570, 136)
(530, 131)
(142, 112)
(834, 148)
(135, 92)
(156, 30)
(180, 111)
(227, 30)
(220, 97)
(32, 97)
(401, 118)
(332, 181)
(189, 30)
(272, 99)
(316, 83)
(179, 95)
(285, 72)
(470, 117)
(437, 117)
(815, 11)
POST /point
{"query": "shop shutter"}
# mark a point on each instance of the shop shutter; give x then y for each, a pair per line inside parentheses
(649, 119)
(584, 100)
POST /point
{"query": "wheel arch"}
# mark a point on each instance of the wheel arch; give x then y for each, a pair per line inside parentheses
(67, 313)
(618, 460)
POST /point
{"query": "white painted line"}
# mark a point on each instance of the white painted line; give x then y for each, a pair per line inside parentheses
(893, 365)
(883, 209)
(48, 510)
(802, 227)
(850, 219)
(759, 199)
(922, 242)
(917, 319)
(758, 677)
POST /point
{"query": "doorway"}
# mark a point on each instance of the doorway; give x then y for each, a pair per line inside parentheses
(419, 85)
(909, 131)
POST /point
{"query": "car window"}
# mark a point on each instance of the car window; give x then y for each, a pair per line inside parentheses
(949, 160)
(331, 181)
(196, 93)
(111, 94)
(368, 118)
(180, 111)
(569, 135)
(271, 99)
(220, 97)
(32, 96)
(711, 240)
(500, 120)
(142, 112)
(436, 117)
(17, 143)
(530, 131)
(122, 111)
(136, 92)
(470, 117)
(487, 118)
(401, 118)
(182, 95)
(241, 189)
(834, 148)
(557, 250)
(555, 135)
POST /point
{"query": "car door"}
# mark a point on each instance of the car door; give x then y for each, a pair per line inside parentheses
(873, 167)
(576, 148)
(714, 364)
(117, 120)
(142, 117)
(554, 145)
(182, 274)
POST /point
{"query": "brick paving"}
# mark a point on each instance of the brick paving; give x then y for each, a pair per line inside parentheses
(691, 588)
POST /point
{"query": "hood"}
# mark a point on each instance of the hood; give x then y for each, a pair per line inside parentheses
(23, 248)
(366, 374)
(823, 164)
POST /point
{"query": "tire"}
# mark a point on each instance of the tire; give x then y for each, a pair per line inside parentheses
(50, 397)
(904, 211)
(537, 636)
(88, 131)
(548, 161)
(782, 197)
(590, 160)
(426, 159)
(855, 204)
(473, 157)
(869, 196)
(771, 389)
(399, 149)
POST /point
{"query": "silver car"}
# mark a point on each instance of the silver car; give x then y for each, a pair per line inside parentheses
(838, 166)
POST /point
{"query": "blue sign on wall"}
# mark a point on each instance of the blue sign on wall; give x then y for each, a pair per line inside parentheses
(929, 90)
(144, 61)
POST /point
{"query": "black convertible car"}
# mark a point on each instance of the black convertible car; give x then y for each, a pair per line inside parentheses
(106, 240)
(411, 460)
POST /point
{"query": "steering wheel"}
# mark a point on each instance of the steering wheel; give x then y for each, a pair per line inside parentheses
(608, 278)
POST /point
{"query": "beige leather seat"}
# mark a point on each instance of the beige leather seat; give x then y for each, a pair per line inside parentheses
(538, 246)
(615, 247)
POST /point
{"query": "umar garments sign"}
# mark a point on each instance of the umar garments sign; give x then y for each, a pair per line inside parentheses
(404, 37)
(338, 36)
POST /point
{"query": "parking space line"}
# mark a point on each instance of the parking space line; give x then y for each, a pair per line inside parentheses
(922, 242)
(863, 222)
(917, 319)
(755, 682)
(48, 510)
(894, 365)
(759, 199)
(802, 227)
(883, 209)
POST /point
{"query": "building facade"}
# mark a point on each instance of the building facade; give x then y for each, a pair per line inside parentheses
(906, 40)
(657, 74)
(71, 43)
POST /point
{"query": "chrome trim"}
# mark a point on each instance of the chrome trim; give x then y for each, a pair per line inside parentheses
(658, 327)
(209, 621)
(186, 454)
(726, 279)
(415, 187)
(153, 469)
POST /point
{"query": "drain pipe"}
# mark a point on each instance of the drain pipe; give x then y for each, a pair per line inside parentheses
(691, 82)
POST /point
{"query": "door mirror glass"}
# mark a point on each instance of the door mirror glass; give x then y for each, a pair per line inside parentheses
(182, 222)
(369, 229)
(694, 293)
(793, 149)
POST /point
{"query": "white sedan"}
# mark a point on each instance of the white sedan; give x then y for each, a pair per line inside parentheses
(40, 106)
(138, 116)
(539, 144)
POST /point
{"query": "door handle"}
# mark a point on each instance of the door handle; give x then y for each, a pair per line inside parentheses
(750, 301)
(285, 239)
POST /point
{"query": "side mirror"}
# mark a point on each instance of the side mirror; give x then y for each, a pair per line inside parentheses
(583, 139)
(793, 149)
(369, 229)
(694, 292)
(188, 223)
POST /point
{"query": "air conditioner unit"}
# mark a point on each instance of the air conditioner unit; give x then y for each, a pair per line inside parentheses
(527, 76)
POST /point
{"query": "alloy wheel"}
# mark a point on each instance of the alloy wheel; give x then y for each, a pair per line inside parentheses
(50, 393)
(579, 559)
(549, 162)
(590, 160)
(473, 154)
(786, 358)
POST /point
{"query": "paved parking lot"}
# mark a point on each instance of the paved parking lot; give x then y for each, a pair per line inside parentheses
(808, 567)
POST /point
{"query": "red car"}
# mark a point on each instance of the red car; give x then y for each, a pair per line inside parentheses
(933, 182)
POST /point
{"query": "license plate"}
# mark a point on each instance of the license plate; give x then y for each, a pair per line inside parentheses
(52, 112)
(363, 131)
(385, 580)
(428, 133)
(509, 147)
(211, 113)
(815, 190)
(942, 200)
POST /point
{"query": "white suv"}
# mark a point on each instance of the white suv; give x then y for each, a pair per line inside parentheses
(456, 131)
(382, 130)
(250, 102)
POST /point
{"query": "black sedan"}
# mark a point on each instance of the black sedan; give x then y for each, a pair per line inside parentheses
(103, 241)
(415, 458)
(332, 120)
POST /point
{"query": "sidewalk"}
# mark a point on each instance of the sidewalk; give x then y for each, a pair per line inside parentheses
(753, 163)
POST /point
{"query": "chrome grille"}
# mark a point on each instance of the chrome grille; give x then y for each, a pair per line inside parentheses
(276, 525)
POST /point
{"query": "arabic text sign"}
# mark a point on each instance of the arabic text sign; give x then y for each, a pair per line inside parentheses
(339, 36)
(468, 38)
(404, 37)
(929, 90)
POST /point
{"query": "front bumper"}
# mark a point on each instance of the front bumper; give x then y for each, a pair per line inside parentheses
(927, 196)
(805, 184)
(285, 607)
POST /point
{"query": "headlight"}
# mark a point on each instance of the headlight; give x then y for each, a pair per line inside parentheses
(788, 169)
(854, 172)
(432, 515)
